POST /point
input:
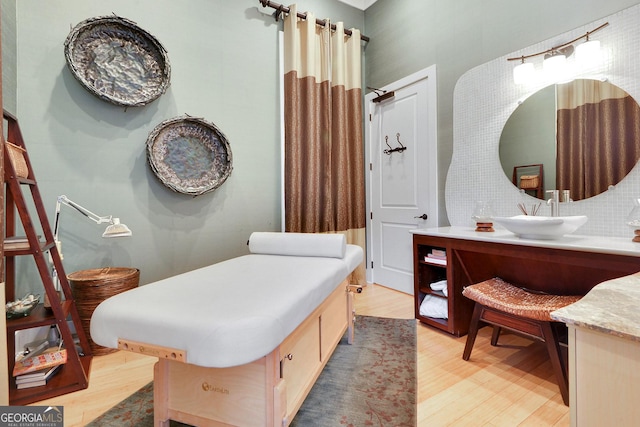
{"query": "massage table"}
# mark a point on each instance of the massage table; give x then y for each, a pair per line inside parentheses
(240, 342)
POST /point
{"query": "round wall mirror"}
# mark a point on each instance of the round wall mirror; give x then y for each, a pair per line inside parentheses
(582, 136)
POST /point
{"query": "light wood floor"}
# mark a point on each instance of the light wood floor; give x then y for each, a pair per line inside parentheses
(508, 385)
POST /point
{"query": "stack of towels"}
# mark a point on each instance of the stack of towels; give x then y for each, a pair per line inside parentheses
(440, 286)
(435, 306)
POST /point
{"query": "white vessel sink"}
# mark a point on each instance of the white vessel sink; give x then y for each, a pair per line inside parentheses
(541, 227)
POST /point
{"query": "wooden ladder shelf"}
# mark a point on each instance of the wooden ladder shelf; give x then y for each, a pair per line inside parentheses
(20, 180)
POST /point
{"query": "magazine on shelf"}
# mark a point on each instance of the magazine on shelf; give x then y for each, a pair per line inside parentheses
(37, 378)
(31, 384)
(52, 357)
(441, 253)
(435, 260)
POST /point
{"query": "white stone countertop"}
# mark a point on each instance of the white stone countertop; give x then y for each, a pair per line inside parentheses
(611, 307)
(576, 242)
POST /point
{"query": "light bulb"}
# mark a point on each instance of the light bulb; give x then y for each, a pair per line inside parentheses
(588, 54)
(555, 67)
(523, 73)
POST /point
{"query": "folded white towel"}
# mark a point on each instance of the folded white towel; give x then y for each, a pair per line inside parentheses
(439, 285)
(433, 306)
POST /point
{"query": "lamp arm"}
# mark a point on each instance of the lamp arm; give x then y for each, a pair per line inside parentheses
(114, 229)
(64, 200)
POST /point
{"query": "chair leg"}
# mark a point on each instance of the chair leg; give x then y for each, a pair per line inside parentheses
(495, 335)
(473, 331)
(553, 347)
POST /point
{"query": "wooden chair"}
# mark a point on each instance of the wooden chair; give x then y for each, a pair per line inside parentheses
(525, 312)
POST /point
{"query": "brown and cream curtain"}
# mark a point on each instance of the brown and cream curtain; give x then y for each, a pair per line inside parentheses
(324, 154)
(598, 136)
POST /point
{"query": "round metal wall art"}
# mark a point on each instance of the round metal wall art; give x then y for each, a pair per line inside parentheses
(117, 61)
(189, 155)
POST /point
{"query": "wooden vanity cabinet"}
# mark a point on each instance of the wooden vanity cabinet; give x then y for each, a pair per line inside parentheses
(427, 271)
(553, 270)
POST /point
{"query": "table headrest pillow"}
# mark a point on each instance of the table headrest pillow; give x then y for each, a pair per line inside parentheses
(298, 244)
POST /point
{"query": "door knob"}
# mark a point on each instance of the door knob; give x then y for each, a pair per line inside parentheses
(423, 216)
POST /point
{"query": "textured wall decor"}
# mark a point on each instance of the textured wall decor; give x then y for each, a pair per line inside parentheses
(189, 155)
(117, 61)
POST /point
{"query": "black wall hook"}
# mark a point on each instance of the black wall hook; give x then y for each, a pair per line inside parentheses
(390, 150)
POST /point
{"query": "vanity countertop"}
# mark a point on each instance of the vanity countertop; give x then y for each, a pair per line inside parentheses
(576, 242)
(612, 307)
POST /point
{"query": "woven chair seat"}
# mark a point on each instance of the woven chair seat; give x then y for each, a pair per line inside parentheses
(500, 295)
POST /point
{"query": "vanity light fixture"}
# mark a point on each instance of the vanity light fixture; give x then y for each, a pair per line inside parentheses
(524, 72)
(555, 64)
(588, 54)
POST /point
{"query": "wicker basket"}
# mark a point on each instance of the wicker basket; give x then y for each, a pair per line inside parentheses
(529, 181)
(91, 287)
(16, 155)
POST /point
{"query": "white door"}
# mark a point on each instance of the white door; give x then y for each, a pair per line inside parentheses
(402, 183)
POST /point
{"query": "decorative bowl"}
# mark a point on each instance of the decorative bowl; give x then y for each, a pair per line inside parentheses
(541, 227)
(22, 307)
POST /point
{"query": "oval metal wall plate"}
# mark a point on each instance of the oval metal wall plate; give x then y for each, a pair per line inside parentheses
(189, 155)
(117, 61)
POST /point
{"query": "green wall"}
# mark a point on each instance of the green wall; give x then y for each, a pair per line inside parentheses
(224, 62)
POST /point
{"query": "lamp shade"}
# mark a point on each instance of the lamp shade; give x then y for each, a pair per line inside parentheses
(117, 229)
(588, 54)
(555, 67)
(523, 73)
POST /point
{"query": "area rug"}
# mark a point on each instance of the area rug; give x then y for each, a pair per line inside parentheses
(369, 383)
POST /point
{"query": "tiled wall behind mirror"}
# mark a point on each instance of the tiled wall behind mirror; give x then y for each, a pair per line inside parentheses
(485, 97)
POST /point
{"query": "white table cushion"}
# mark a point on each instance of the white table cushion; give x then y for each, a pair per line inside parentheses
(226, 314)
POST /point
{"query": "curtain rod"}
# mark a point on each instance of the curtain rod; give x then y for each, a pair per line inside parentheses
(321, 22)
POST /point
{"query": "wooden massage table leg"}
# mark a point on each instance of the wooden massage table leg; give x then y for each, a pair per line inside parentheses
(160, 396)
